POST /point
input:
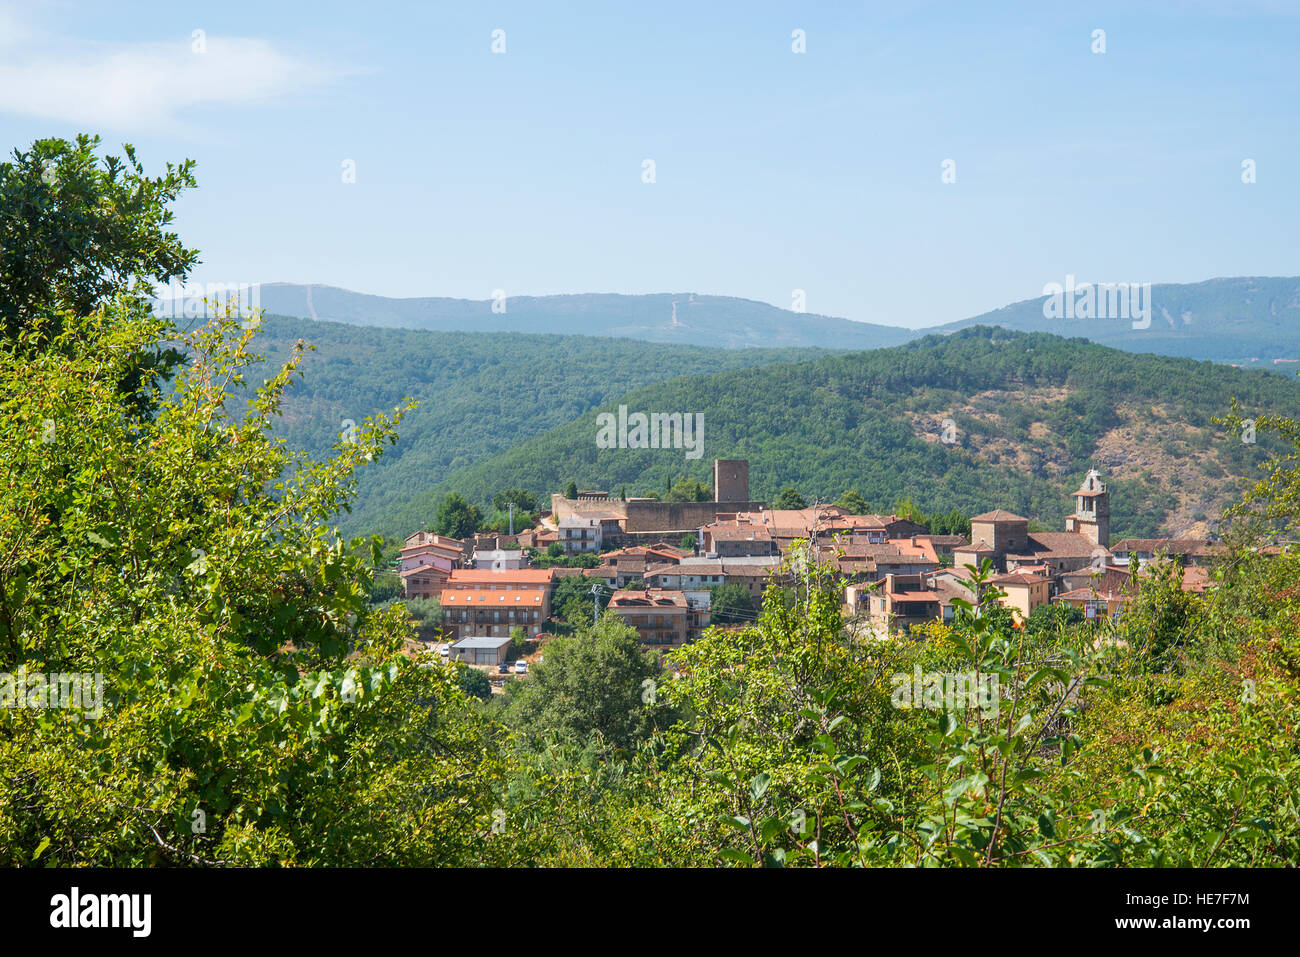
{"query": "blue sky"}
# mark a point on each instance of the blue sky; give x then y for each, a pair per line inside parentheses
(774, 171)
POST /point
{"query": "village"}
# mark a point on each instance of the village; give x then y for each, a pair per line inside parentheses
(895, 574)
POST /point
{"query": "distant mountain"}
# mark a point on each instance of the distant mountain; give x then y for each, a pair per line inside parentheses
(1029, 413)
(717, 321)
(1251, 322)
(1248, 321)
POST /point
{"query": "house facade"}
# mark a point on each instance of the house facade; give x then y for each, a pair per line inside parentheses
(488, 603)
(426, 561)
(663, 618)
(701, 574)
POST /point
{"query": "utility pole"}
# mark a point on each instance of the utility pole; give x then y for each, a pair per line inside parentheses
(511, 506)
(595, 595)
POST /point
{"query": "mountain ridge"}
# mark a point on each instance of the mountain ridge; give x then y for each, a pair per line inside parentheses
(681, 318)
(1247, 321)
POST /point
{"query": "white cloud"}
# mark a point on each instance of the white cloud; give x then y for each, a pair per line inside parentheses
(142, 86)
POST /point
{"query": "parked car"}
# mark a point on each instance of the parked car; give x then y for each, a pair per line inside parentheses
(446, 651)
(521, 667)
(504, 669)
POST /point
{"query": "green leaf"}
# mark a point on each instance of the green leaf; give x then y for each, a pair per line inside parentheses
(732, 854)
(770, 828)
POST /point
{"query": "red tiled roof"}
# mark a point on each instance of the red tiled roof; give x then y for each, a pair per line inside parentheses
(483, 576)
(1175, 546)
(733, 533)
(954, 540)
(433, 570)
(1019, 578)
(648, 599)
(445, 550)
(1196, 579)
(426, 537)
(463, 597)
(999, 515)
(1059, 544)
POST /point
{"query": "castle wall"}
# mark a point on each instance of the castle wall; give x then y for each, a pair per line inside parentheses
(680, 516)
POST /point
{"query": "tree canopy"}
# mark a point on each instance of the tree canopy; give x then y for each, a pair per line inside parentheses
(456, 517)
(255, 709)
(789, 498)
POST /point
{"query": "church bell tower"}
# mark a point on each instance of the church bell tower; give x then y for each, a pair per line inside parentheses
(1091, 510)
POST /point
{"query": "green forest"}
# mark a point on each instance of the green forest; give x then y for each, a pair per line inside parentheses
(514, 410)
(477, 394)
(855, 421)
(258, 709)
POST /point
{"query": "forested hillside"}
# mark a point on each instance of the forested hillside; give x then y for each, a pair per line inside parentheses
(1031, 413)
(478, 394)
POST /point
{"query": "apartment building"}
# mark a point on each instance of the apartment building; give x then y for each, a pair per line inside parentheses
(489, 602)
(662, 618)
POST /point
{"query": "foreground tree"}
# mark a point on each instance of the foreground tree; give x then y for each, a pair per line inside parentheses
(77, 231)
(598, 682)
(979, 746)
(254, 709)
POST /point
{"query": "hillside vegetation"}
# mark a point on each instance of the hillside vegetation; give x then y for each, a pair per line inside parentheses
(1032, 412)
(478, 394)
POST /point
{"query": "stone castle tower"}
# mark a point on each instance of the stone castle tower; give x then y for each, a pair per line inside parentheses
(1091, 510)
(730, 480)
